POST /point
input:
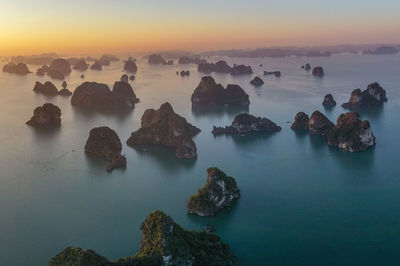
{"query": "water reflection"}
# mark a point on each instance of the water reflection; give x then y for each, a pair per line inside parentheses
(353, 160)
(164, 157)
(45, 133)
(218, 111)
(250, 139)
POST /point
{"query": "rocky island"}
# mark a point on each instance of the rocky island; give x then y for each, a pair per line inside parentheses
(98, 96)
(257, 81)
(58, 69)
(156, 59)
(329, 102)
(20, 68)
(275, 73)
(373, 96)
(245, 123)
(222, 67)
(46, 115)
(64, 91)
(209, 93)
(48, 88)
(318, 72)
(219, 193)
(350, 133)
(104, 142)
(163, 243)
(96, 66)
(81, 65)
(130, 66)
(165, 127)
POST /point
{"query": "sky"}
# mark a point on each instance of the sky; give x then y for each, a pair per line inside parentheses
(119, 26)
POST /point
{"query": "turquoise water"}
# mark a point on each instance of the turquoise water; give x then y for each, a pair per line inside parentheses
(303, 203)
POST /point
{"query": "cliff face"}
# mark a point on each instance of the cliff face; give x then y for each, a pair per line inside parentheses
(209, 93)
(351, 134)
(165, 127)
(163, 243)
(219, 193)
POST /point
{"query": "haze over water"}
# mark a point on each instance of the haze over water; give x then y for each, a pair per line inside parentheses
(302, 203)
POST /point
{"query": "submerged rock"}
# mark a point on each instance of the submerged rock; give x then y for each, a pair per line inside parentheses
(46, 115)
(156, 59)
(329, 102)
(257, 81)
(373, 96)
(300, 121)
(318, 72)
(319, 124)
(351, 134)
(96, 66)
(104, 142)
(48, 88)
(219, 193)
(209, 93)
(130, 66)
(81, 65)
(123, 94)
(20, 68)
(165, 127)
(245, 123)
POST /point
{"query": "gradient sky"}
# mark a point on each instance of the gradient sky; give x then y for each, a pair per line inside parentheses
(97, 26)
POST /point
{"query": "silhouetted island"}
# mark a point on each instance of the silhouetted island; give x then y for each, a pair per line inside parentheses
(245, 123)
(81, 65)
(209, 93)
(219, 192)
(165, 127)
(64, 91)
(48, 88)
(46, 115)
(318, 72)
(156, 59)
(20, 68)
(373, 96)
(257, 81)
(382, 50)
(275, 73)
(98, 96)
(185, 73)
(104, 142)
(96, 66)
(163, 243)
(130, 66)
(59, 68)
(223, 67)
(329, 102)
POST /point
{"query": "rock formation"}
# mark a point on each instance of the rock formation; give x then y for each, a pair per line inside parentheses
(351, 134)
(131, 77)
(219, 193)
(163, 243)
(64, 91)
(59, 68)
(300, 121)
(241, 70)
(124, 78)
(219, 67)
(185, 73)
(329, 102)
(96, 66)
(156, 59)
(245, 123)
(257, 81)
(209, 93)
(46, 115)
(306, 67)
(165, 127)
(275, 73)
(104, 142)
(373, 96)
(97, 96)
(41, 71)
(319, 124)
(318, 72)
(20, 69)
(123, 95)
(47, 88)
(81, 65)
(130, 66)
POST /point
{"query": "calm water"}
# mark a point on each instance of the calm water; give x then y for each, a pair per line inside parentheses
(302, 202)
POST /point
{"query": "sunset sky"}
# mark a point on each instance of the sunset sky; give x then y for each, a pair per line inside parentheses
(96, 26)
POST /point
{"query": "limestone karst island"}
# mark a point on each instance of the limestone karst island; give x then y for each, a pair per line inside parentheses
(199, 133)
